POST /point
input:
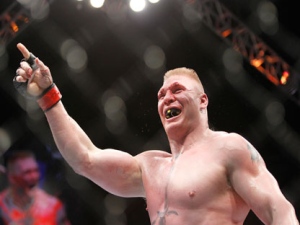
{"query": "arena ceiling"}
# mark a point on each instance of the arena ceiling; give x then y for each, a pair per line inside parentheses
(113, 94)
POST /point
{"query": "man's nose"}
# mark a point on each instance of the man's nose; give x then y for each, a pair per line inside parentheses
(169, 98)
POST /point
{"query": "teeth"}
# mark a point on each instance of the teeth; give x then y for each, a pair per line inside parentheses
(168, 114)
(172, 112)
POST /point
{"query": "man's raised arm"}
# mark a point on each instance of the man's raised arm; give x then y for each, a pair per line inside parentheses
(113, 170)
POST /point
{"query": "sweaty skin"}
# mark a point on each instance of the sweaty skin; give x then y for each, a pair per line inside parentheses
(195, 187)
(208, 178)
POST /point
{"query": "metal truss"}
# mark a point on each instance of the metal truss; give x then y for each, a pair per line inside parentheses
(18, 16)
(12, 22)
(221, 21)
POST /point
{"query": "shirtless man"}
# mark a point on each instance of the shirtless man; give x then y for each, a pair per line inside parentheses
(23, 202)
(210, 177)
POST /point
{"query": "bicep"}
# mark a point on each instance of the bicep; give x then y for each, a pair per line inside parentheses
(115, 171)
(255, 188)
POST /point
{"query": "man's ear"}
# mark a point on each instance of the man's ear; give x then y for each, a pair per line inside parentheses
(203, 101)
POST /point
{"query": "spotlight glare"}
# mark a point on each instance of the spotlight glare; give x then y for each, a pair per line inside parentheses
(137, 5)
(153, 1)
(97, 3)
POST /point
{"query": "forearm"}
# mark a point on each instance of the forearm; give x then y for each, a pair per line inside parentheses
(34, 78)
(70, 139)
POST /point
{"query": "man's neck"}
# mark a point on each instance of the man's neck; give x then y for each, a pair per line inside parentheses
(186, 142)
(21, 197)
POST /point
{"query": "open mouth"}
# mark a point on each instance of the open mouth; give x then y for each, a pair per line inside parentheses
(172, 112)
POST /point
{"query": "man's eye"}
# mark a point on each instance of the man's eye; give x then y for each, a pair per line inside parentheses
(161, 95)
(177, 91)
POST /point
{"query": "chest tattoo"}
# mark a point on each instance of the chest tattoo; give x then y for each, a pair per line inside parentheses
(161, 215)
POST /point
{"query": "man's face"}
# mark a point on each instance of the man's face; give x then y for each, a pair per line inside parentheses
(179, 101)
(25, 173)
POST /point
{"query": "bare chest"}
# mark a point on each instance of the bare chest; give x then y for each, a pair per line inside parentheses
(190, 181)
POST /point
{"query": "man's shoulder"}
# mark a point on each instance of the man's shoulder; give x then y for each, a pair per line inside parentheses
(45, 196)
(152, 160)
(154, 154)
(231, 143)
(45, 202)
(229, 138)
(153, 157)
(235, 147)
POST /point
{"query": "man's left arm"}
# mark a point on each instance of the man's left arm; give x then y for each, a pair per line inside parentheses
(251, 179)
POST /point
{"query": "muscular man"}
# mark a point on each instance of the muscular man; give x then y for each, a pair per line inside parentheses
(23, 202)
(208, 178)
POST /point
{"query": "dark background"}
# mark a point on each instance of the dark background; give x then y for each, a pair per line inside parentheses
(113, 97)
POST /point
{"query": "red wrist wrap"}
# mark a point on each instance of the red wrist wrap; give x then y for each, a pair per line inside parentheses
(50, 98)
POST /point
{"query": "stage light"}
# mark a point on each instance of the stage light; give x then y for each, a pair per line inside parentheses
(257, 62)
(154, 57)
(5, 140)
(74, 55)
(274, 112)
(153, 1)
(137, 5)
(14, 26)
(25, 3)
(284, 77)
(97, 3)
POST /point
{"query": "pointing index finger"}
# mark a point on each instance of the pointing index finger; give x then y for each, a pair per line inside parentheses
(23, 50)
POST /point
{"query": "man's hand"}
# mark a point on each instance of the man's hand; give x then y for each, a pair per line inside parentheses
(38, 77)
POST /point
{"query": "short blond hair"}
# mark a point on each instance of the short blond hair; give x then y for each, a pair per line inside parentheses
(184, 71)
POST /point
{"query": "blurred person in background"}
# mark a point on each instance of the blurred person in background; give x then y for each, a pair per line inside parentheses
(23, 202)
(210, 177)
